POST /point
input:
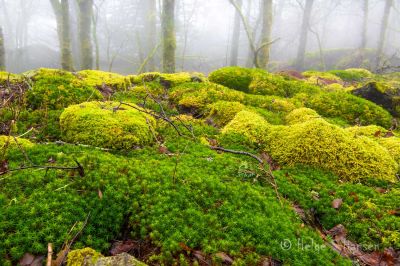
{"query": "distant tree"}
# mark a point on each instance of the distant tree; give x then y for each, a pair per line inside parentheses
(236, 36)
(267, 11)
(61, 11)
(304, 34)
(168, 36)
(150, 28)
(84, 32)
(2, 51)
(364, 30)
(383, 32)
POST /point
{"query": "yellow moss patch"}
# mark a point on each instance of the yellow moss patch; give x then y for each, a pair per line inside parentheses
(81, 256)
(7, 141)
(222, 112)
(102, 124)
(301, 115)
(170, 80)
(392, 144)
(97, 78)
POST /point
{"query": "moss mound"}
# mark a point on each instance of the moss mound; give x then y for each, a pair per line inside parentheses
(96, 78)
(352, 74)
(9, 142)
(301, 115)
(169, 80)
(85, 256)
(236, 78)
(106, 125)
(221, 112)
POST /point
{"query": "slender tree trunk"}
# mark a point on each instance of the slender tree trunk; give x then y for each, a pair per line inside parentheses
(267, 9)
(150, 31)
(383, 33)
(61, 11)
(235, 37)
(169, 38)
(304, 34)
(84, 32)
(2, 51)
(364, 29)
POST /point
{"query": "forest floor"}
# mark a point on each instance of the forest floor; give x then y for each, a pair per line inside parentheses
(242, 167)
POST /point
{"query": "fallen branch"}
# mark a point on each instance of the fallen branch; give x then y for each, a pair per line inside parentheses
(238, 152)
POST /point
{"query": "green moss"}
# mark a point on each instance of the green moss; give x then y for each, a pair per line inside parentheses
(104, 125)
(169, 80)
(236, 78)
(301, 115)
(315, 75)
(352, 74)
(10, 77)
(320, 144)
(56, 89)
(222, 112)
(349, 108)
(95, 78)
(82, 257)
(9, 142)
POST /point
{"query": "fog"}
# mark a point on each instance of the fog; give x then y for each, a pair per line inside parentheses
(204, 34)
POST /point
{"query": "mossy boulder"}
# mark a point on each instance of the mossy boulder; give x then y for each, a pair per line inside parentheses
(56, 89)
(348, 107)
(237, 78)
(99, 79)
(106, 124)
(169, 80)
(381, 95)
(301, 115)
(83, 257)
(221, 112)
(353, 74)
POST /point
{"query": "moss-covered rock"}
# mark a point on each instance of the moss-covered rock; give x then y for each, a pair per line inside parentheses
(237, 78)
(56, 89)
(169, 80)
(96, 78)
(105, 124)
(83, 257)
(221, 112)
(352, 74)
(301, 115)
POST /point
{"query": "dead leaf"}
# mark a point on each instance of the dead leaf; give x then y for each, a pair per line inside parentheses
(354, 196)
(100, 194)
(185, 247)
(380, 190)
(377, 134)
(224, 258)
(336, 203)
(395, 212)
(3, 167)
(163, 150)
(122, 246)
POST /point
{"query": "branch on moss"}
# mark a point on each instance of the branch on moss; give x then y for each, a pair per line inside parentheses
(238, 152)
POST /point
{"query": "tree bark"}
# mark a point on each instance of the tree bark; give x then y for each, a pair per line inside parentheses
(61, 11)
(169, 38)
(84, 32)
(2, 51)
(383, 33)
(235, 37)
(150, 31)
(364, 30)
(267, 9)
(304, 34)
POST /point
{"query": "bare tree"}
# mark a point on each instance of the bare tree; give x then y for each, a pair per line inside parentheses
(304, 34)
(61, 11)
(2, 51)
(383, 32)
(169, 38)
(84, 28)
(236, 37)
(267, 10)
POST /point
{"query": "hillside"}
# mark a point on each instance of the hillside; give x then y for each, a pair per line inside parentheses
(242, 167)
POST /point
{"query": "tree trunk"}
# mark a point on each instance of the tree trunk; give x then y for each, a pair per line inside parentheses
(169, 39)
(267, 9)
(383, 33)
(61, 11)
(364, 29)
(235, 37)
(2, 51)
(84, 32)
(304, 34)
(150, 33)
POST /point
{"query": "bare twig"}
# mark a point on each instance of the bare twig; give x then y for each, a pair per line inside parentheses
(49, 254)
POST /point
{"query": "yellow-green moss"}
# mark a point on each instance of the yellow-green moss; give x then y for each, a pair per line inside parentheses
(81, 256)
(315, 75)
(8, 141)
(249, 124)
(169, 80)
(102, 124)
(95, 78)
(392, 144)
(222, 112)
(320, 144)
(371, 131)
(9, 77)
(301, 115)
(237, 78)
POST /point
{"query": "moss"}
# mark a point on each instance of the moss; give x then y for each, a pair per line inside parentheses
(352, 74)
(169, 80)
(236, 78)
(301, 115)
(392, 144)
(349, 108)
(56, 89)
(249, 124)
(85, 256)
(95, 78)
(9, 142)
(315, 75)
(222, 112)
(9, 77)
(371, 131)
(320, 144)
(104, 125)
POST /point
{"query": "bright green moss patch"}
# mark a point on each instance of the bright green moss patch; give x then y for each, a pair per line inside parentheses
(83, 256)
(95, 78)
(236, 78)
(14, 143)
(222, 112)
(301, 115)
(105, 125)
(56, 89)
(169, 80)
(352, 74)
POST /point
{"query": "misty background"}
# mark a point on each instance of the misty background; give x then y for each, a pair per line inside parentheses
(204, 34)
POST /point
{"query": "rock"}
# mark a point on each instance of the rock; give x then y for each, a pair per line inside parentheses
(123, 259)
(375, 94)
